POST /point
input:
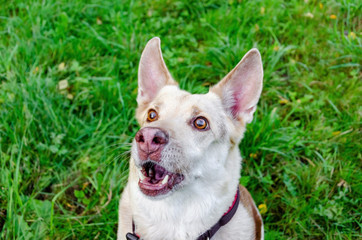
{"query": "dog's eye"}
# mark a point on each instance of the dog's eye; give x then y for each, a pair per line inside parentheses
(201, 123)
(152, 115)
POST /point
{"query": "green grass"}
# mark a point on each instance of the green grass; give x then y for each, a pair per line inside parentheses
(64, 153)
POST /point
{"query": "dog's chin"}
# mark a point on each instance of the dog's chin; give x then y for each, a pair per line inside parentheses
(156, 182)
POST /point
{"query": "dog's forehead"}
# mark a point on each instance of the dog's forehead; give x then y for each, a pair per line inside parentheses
(172, 99)
(176, 106)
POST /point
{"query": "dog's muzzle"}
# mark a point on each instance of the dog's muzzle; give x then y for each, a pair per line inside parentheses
(154, 178)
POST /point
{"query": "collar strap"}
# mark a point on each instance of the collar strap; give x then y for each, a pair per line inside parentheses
(223, 220)
(132, 236)
(209, 233)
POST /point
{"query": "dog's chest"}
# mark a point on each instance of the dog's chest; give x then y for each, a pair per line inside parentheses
(167, 230)
(240, 227)
(179, 220)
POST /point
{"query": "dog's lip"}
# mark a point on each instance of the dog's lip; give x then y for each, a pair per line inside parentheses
(155, 180)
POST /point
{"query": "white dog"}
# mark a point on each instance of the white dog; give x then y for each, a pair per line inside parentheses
(185, 165)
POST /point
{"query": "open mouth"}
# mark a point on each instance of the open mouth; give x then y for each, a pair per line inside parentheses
(156, 180)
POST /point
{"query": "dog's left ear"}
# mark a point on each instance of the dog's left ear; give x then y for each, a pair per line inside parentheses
(241, 88)
(152, 72)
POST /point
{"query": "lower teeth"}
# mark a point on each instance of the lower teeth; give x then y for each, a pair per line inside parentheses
(165, 180)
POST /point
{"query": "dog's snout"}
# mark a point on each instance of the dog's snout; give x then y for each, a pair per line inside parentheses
(150, 142)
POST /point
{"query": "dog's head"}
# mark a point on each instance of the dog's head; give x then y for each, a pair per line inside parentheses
(186, 137)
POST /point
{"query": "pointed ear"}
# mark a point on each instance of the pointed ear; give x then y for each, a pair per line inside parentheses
(152, 72)
(240, 89)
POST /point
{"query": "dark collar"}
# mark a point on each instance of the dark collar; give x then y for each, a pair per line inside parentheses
(209, 233)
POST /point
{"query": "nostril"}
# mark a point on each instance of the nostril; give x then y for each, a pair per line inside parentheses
(157, 140)
(140, 138)
(160, 138)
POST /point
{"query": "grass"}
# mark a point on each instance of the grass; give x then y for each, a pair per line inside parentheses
(64, 149)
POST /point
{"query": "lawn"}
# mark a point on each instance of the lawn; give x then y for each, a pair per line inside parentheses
(68, 83)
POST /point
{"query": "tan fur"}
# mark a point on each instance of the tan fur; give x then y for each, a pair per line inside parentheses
(247, 201)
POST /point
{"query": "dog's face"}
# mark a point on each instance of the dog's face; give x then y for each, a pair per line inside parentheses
(186, 138)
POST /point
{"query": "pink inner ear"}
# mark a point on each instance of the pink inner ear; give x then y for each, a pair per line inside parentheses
(240, 89)
(237, 101)
(243, 94)
(235, 108)
(152, 80)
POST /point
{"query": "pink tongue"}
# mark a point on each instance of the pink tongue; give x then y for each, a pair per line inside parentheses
(159, 172)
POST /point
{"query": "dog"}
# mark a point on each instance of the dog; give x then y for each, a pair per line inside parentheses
(185, 160)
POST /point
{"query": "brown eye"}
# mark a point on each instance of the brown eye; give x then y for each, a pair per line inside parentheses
(201, 123)
(152, 115)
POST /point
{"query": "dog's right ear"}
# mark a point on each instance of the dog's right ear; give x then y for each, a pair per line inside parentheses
(152, 72)
(241, 88)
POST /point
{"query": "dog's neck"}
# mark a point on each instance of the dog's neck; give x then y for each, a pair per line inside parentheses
(188, 212)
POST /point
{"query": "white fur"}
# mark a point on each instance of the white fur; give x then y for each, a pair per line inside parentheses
(209, 160)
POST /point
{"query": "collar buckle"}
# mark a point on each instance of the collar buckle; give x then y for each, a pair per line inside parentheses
(131, 236)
